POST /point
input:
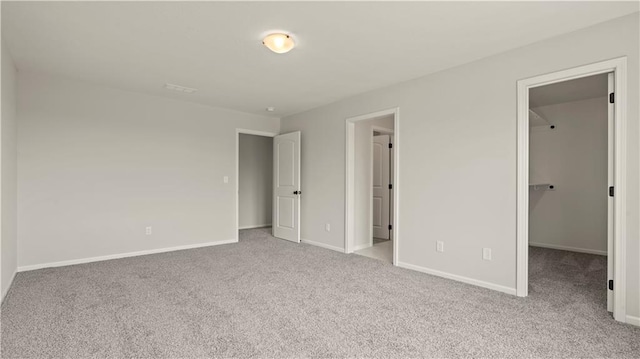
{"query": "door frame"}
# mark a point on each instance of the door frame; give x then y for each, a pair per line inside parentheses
(619, 67)
(350, 178)
(384, 131)
(246, 132)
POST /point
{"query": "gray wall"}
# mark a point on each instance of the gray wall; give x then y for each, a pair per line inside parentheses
(98, 165)
(457, 143)
(255, 181)
(573, 157)
(8, 180)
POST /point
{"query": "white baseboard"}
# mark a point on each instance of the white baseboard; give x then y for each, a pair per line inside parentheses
(256, 226)
(4, 292)
(122, 255)
(323, 245)
(633, 320)
(362, 246)
(458, 278)
(570, 249)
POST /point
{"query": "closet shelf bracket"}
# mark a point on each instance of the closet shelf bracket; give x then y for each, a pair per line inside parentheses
(542, 186)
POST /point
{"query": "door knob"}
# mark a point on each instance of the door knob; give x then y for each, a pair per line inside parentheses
(297, 192)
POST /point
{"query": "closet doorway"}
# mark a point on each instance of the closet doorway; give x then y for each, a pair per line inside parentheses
(571, 171)
(381, 186)
(254, 176)
(372, 186)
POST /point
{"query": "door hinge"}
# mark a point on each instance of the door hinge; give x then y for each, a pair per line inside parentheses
(390, 145)
(612, 97)
(610, 284)
(390, 227)
(611, 191)
(390, 186)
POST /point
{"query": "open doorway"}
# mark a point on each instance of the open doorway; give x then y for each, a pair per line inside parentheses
(571, 187)
(254, 180)
(569, 176)
(372, 186)
(381, 187)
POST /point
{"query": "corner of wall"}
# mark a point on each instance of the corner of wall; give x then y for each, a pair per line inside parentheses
(5, 289)
(8, 171)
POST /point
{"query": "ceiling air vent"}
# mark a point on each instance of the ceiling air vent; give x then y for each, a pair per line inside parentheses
(179, 88)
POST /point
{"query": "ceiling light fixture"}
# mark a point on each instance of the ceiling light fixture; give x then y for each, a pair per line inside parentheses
(271, 109)
(279, 43)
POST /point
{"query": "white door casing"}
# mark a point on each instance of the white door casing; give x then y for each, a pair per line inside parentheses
(380, 182)
(610, 183)
(350, 179)
(618, 223)
(286, 186)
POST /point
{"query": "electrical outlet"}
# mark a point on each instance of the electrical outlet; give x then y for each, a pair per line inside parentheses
(148, 231)
(225, 179)
(440, 246)
(486, 254)
(327, 227)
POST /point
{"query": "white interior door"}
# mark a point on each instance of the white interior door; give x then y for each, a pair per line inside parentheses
(393, 188)
(380, 177)
(610, 202)
(286, 186)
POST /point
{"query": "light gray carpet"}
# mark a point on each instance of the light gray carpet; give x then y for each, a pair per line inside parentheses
(266, 297)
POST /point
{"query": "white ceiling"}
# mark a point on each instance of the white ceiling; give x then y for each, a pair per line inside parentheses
(343, 48)
(568, 91)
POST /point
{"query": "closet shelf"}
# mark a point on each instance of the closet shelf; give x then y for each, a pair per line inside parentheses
(536, 120)
(542, 186)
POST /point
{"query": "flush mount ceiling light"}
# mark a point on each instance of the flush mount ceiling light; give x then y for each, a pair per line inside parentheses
(270, 109)
(279, 43)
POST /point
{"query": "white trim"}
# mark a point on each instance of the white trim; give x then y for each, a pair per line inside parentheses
(350, 193)
(619, 67)
(256, 226)
(370, 222)
(396, 185)
(382, 130)
(4, 293)
(633, 320)
(246, 132)
(522, 195)
(256, 133)
(570, 249)
(123, 255)
(458, 278)
(610, 182)
(350, 179)
(322, 245)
